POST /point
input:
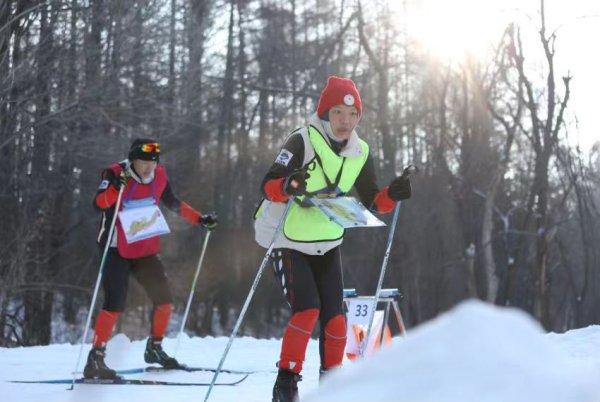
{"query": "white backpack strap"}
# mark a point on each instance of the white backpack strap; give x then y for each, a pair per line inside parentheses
(309, 151)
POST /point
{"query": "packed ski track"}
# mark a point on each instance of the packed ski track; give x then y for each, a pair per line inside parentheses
(476, 352)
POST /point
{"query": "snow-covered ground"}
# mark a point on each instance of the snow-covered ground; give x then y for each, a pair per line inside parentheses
(476, 352)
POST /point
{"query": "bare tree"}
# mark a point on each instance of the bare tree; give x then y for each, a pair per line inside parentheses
(546, 122)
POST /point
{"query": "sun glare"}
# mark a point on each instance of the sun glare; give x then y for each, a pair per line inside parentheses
(449, 30)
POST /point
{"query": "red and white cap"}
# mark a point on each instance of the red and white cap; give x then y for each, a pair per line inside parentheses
(339, 91)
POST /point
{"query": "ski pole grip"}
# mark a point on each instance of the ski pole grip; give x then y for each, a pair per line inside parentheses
(410, 169)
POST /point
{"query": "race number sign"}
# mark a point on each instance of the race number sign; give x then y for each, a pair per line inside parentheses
(358, 315)
(346, 212)
(143, 222)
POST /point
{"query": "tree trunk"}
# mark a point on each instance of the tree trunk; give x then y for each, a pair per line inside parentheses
(487, 243)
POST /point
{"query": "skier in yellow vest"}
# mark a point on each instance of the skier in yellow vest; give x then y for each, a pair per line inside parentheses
(326, 156)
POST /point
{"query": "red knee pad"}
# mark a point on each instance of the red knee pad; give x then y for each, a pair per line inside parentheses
(295, 339)
(105, 322)
(160, 319)
(335, 341)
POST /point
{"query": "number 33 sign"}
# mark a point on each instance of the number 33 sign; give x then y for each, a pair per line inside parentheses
(362, 310)
(358, 315)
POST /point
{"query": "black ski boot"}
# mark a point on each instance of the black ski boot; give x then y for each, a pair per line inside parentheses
(155, 354)
(286, 386)
(96, 368)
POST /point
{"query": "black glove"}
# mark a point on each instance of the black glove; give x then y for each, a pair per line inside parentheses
(295, 184)
(120, 180)
(399, 188)
(209, 220)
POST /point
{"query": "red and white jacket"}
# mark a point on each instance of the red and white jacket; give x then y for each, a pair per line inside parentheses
(158, 188)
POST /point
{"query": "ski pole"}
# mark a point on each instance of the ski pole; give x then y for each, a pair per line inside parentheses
(97, 287)
(248, 298)
(191, 296)
(365, 343)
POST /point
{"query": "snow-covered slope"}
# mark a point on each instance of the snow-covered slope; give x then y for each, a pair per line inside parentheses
(57, 362)
(474, 353)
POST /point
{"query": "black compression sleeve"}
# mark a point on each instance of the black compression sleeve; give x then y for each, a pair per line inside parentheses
(366, 183)
(170, 200)
(294, 146)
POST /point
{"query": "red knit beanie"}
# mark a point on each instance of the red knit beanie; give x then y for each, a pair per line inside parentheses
(339, 91)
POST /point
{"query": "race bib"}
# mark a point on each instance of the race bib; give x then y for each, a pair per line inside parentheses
(142, 223)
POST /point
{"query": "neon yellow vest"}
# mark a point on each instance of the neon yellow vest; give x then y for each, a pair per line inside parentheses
(310, 224)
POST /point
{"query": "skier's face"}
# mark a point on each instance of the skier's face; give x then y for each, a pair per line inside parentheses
(144, 168)
(343, 119)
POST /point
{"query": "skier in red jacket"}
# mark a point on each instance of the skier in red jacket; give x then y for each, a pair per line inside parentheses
(145, 184)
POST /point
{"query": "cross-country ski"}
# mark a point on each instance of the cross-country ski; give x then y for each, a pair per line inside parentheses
(155, 369)
(129, 381)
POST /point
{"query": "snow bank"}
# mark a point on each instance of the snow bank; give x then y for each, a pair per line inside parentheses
(583, 346)
(478, 353)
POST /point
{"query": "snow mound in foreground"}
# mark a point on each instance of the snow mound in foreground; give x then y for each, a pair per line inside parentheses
(476, 352)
